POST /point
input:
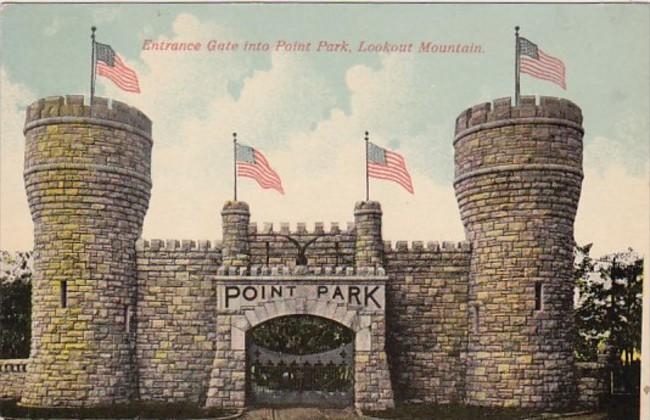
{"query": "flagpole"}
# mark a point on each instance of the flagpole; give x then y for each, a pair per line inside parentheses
(517, 71)
(92, 66)
(234, 163)
(367, 181)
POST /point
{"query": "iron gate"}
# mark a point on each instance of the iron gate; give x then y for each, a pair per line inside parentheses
(278, 379)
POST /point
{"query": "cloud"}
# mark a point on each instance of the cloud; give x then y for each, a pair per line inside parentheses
(106, 14)
(53, 27)
(282, 104)
(290, 113)
(613, 213)
(16, 228)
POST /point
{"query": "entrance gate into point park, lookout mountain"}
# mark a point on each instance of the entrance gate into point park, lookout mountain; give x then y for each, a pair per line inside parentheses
(246, 373)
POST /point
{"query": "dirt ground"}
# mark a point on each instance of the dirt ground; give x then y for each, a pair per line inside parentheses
(338, 414)
(300, 414)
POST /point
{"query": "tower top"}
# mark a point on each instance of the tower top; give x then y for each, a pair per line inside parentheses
(74, 106)
(502, 110)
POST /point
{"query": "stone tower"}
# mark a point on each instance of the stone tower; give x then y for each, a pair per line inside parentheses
(236, 247)
(518, 174)
(369, 246)
(87, 176)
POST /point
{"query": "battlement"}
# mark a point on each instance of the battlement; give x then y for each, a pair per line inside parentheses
(301, 229)
(431, 247)
(75, 106)
(300, 270)
(177, 245)
(502, 109)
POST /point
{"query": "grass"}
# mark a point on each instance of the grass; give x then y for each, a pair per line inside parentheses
(152, 410)
(614, 408)
(451, 412)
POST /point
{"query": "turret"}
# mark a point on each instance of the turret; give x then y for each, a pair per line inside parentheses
(87, 176)
(236, 246)
(369, 246)
(517, 181)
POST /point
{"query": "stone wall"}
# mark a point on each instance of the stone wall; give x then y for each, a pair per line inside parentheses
(427, 319)
(176, 318)
(12, 377)
(593, 383)
(518, 181)
(87, 177)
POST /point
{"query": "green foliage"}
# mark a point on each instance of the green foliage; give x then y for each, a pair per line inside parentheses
(609, 303)
(301, 334)
(136, 409)
(15, 305)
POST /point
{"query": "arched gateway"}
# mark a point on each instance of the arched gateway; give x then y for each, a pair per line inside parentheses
(248, 295)
(300, 360)
(354, 299)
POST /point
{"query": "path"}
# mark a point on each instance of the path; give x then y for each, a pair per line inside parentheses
(300, 414)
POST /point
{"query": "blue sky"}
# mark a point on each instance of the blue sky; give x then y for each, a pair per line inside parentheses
(308, 111)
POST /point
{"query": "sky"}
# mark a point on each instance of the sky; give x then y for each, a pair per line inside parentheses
(307, 111)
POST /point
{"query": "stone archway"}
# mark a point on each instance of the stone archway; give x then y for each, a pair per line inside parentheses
(357, 302)
(300, 361)
(359, 324)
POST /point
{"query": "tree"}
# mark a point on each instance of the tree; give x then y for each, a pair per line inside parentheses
(609, 298)
(301, 334)
(15, 304)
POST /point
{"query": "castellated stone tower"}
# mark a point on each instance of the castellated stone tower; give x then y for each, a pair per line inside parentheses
(369, 246)
(518, 174)
(236, 248)
(87, 175)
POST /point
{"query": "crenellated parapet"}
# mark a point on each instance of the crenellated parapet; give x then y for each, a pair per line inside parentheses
(300, 229)
(76, 108)
(530, 109)
(300, 271)
(12, 377)
(415, 247)
(177, 245)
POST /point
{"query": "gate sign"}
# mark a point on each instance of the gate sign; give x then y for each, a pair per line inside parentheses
(232, 296)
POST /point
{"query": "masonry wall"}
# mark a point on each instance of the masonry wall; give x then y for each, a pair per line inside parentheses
(176, 318)
(593, 383)
(426, 318)
(12, 377)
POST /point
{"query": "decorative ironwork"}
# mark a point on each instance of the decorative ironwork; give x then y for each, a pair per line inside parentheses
(301, 258)
(321, 379)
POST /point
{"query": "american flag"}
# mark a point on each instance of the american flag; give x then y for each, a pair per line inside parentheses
(537, 63)
(251, 163)
(384, 164)
(111, 66)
